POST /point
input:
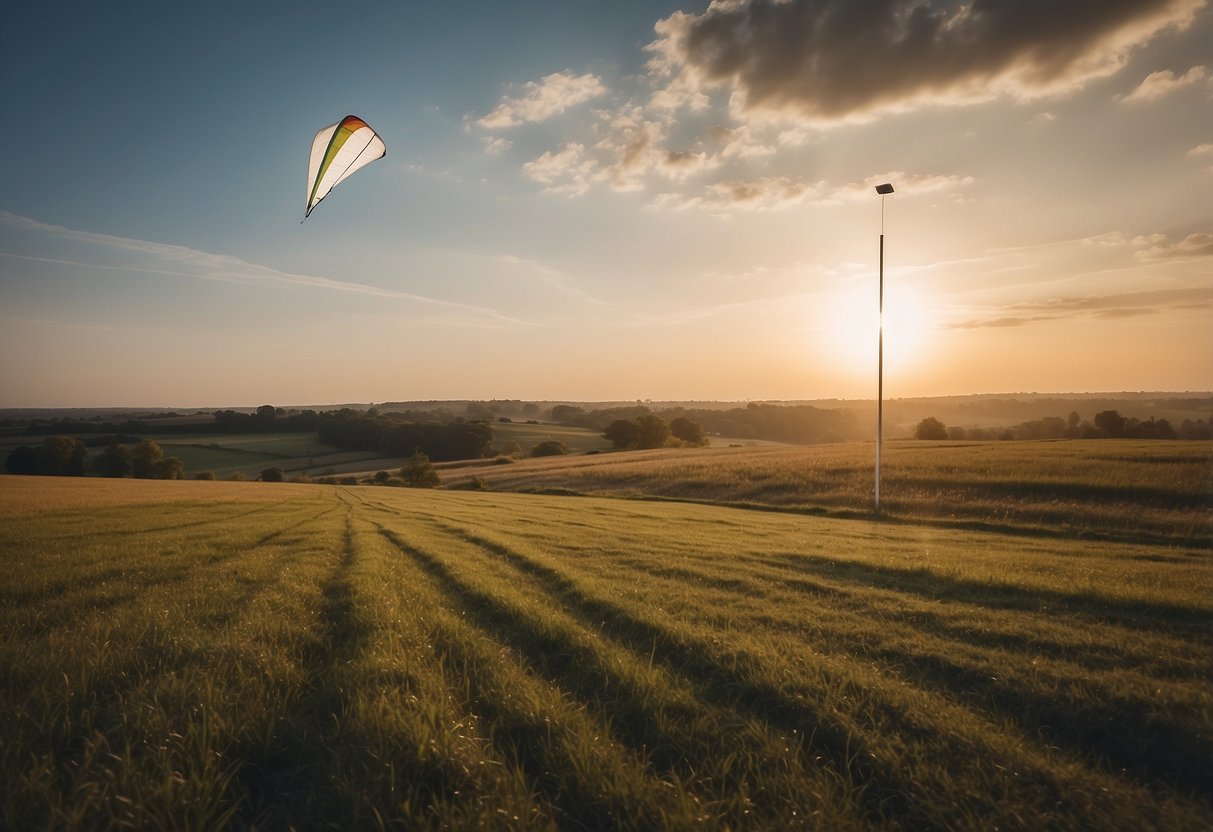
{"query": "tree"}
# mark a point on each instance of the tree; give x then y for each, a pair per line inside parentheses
(623, 434)
(1110, 423)
(169, 468)
(114, 461)
(931, 428)
(144, 457)
(61, 456)
(653, 431)
(419, 472)
(688, 431)
(273, 474)
(22, 460)
(204, 475)
(550, 447)
(566, 414)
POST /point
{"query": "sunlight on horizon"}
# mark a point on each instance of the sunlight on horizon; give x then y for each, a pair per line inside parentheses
(846, 326)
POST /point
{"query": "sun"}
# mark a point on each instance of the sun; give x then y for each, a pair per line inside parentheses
(847, 327)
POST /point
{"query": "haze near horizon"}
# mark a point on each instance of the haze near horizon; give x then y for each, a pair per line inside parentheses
(584, 202)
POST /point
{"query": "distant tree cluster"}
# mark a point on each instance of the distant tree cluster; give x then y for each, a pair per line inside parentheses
(56, 456)
(801, 424)
(549, 447)
(65, 456)
(266, 419)
(418, 472)
(1107, 424)
(391, 435)
(651, 431)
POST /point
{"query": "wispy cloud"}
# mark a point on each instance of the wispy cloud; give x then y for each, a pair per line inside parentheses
(540, 100)
(773, 192)
(1164, 82)
(494, 145)
(1112, 306)
(551, 277)
(181, 261)
(1160, 247)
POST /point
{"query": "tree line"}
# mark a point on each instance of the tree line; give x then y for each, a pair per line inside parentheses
(392, 435)
(1106, 424)
(64, 456)
(650, 431)
(798, 424)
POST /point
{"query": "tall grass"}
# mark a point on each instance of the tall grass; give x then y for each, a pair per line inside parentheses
(209, 655)
(1110, 489)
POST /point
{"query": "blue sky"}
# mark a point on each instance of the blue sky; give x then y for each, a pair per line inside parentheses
(605, 201)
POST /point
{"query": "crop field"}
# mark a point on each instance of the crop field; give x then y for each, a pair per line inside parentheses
(1112, 489)
(527, 436)
(208, 654)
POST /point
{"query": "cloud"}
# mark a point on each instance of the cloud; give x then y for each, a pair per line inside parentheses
(905, 184)
(1201, 150)
(1160, 247)
(1164, 82)
(181, 261)
(1107, 307)
(772, 192)
(567, 171)
(494, 146)
(543, 99)
(836, 60)
(627, 147)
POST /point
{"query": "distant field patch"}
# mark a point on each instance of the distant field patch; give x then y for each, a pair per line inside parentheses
(578, 440)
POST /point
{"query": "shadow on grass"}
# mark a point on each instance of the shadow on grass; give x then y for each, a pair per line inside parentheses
(931, 585)
(290, 778)
(733, 690)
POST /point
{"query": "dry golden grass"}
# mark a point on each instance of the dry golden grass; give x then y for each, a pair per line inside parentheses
(35, 495)
(1099, 488)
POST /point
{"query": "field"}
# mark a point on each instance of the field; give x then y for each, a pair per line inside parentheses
(205, 654)
(1112, 489)
(578, 440)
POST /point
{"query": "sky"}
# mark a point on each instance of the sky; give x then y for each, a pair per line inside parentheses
(595, 201)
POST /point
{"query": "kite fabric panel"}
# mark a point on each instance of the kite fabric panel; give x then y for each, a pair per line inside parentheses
(338, 151)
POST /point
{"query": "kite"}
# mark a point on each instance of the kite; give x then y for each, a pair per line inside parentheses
(338, 151)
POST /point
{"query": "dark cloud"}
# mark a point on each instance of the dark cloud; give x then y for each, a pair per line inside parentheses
(833, 59)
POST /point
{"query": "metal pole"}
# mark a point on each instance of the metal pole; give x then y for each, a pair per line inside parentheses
(880, 364)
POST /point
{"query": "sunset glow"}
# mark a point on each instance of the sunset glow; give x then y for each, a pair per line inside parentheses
(597, 202)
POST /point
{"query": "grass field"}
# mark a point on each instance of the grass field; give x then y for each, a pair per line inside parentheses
(202, 654)
(578, 440)
(1112, 489)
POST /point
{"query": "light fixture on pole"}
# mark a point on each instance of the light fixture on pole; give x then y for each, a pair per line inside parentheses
(884, 190)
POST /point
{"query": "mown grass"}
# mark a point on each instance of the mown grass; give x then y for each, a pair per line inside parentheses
(1109, 489)
(208, 655)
